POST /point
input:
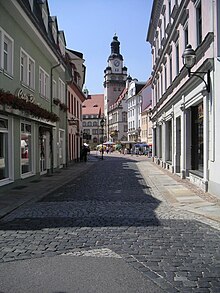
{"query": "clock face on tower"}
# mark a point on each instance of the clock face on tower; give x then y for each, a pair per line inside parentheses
(116, 63)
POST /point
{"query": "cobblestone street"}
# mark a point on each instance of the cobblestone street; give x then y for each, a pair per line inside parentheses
(110, 211)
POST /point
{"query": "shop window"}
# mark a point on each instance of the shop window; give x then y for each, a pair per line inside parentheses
(4, 165)
(26, 148)
(169, 140)
(197, 138)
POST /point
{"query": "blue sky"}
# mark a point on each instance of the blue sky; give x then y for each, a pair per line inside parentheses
(89, 26)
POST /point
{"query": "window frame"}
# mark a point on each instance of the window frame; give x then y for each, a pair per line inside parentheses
(198, 6)
(61, 90)
(9, 54)
(28, 77)
(44, 84)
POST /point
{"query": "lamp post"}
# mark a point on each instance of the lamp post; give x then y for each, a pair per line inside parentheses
(102, 122)
(189, 60)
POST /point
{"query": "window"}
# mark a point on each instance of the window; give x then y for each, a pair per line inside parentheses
(45, 18)
(62, 46)
(169, 10)
(31, 4)
(6, 52)
(165, 77)
(54, 89)
(26, 148)
(95, 131)
(61, 91)
(43, 83)
(186, 34)
(199, 23)
(177, 58)
(169, 139)
(124, 117)
(54, 32)
(171, 68)
(158, 88)
(4, 164)
(218, 27)
(164, 23)
(27, 70)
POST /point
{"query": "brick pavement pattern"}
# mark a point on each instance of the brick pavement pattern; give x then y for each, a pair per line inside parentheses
(112, 211)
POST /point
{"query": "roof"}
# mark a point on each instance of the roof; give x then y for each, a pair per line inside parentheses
(155, 15)
(148, 83)
(119, 99)
(93, 105)
(139, 86)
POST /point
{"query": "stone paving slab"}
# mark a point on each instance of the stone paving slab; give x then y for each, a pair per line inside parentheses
(178, 194)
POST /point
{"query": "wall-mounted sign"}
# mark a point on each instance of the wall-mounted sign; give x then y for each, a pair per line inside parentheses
(27, 97)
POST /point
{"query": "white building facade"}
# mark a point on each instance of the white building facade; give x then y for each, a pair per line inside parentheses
(184, 111)
(134, 101)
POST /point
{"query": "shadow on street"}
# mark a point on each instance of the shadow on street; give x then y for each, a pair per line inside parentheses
(111, 194)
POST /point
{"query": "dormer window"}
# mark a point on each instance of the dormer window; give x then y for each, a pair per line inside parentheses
(45, 18)
(31, 4)
(54, 32)
(61, 44)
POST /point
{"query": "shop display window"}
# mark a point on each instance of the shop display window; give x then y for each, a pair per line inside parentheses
(26, 146)
(4, 165)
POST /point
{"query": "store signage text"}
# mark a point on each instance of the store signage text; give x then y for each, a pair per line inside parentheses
(27, 97)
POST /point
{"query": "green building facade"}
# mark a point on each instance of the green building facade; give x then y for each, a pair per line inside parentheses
(33, 76)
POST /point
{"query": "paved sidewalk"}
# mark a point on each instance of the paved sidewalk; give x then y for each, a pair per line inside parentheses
(180, 193)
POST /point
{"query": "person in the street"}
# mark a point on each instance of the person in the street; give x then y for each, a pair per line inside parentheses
(84, 152)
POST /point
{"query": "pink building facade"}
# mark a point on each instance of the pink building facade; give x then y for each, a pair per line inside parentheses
(184, 112)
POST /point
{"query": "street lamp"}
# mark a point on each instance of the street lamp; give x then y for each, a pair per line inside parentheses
(102, 122)
(189, 60)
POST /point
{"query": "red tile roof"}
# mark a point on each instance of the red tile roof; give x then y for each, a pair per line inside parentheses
(93, 105)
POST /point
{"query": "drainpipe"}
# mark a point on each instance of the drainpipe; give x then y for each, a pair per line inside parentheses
(51, 110)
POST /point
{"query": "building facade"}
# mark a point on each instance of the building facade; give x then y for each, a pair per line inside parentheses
(33, 92)
(115, 76)
(134, 107)
(93, 112)
(184, 109)
(118, 123)
(75, 99)
(146, 124)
